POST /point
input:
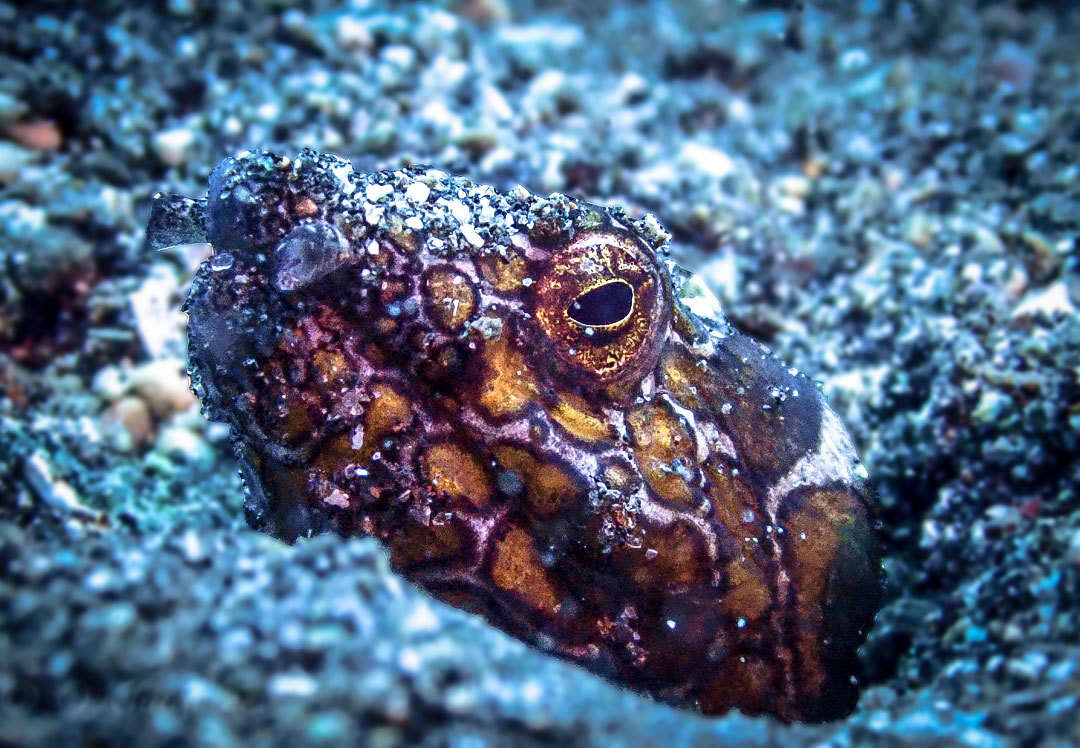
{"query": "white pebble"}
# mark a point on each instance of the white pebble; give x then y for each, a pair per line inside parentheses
(418, 192)
(173, 146)
(707, 160)
(375, 191)
(471, 236)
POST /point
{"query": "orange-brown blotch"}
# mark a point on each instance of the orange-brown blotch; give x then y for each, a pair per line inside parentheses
(503, 275)
(681, 376)
(450, 298)
(449, 469)
(508, 385)
(665, 452)
(516, 568)
(671, 558)
(388, 412)
(573, 413)
(547, 487)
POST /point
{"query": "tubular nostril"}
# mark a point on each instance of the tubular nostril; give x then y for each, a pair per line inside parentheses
(309, 252)
(606, 305)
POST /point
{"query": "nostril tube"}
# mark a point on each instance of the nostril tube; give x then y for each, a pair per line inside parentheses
(308, 253)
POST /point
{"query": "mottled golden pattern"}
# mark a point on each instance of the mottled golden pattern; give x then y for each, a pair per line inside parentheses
(514, 399)
(748, 596)
(388, 411)
(516, 568)
(450, 298)
(337, 452)
(550, 486)
(732, 499)
(503, 275)
(292, 420)
(665, 451)
(682, 377)
(673, 558)
(508, 386)
(451, 470)
(572, 412)
(331, 367)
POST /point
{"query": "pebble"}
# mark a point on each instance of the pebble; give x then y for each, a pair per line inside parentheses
(418, 192)
(55, 492)
(185, 444)
(295, 685)
(11, 109)
(712, 162)
(1073, 552)
(494, 104)
(1028, 667)
(1003, 518)
(191, 547)
(163, 385)
(160, 324)
(1046, 302)
(133, 415)
(39, 135)
(1013, 64)
(12, 160)
(182, 8)
(471, 236)
(486, 12)
(353, 34)
(174, 146)
(399, 56)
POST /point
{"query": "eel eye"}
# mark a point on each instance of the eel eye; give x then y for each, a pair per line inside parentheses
(607, 305)
(600, 304)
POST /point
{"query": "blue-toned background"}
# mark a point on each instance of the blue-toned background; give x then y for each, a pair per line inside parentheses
(887, 193)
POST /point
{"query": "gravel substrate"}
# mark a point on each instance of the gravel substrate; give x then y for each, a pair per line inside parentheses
(887, 193)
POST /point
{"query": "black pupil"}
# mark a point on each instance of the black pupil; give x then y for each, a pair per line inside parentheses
(604, 305)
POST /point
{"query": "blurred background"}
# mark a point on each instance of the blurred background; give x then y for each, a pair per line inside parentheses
(886, 192)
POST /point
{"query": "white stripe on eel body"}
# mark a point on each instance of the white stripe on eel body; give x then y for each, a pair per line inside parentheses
(834, 460)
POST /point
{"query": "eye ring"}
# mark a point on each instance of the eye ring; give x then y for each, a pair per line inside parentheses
(607, 305)
(600, 306)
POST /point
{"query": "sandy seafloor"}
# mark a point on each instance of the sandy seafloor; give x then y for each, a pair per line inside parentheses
(885, 192)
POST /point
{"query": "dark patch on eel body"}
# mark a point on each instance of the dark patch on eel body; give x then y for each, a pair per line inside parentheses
(544, 423)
